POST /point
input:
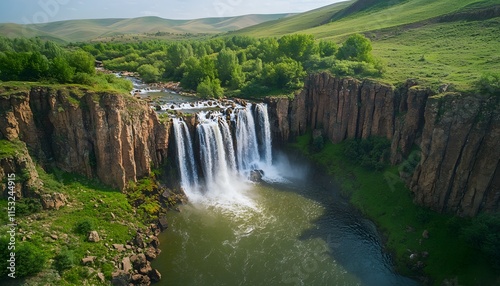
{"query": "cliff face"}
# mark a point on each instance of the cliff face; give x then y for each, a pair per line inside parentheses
(109, 136)
(459, 167)
(460, 170)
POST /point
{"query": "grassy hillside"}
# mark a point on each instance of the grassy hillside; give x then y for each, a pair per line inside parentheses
(457, 53)
(408, 12)
(295, 23)
(443, 41)
(85, 30)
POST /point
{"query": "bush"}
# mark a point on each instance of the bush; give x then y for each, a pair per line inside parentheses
(489, 84)
(64, 260)
(30, 259)
(371, 153)
(27, 206)
(84, 227)
(210, 88)
(356, 48)
(484, 234)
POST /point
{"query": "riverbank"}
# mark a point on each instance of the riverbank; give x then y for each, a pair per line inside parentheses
(78, 231)
(424, 244)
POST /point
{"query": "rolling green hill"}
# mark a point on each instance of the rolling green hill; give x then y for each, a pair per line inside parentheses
(295, 23)
(435, 41)
(85, 30)
(344, 18)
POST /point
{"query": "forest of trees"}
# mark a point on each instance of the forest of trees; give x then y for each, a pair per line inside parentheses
(238, 65)
(36, 60)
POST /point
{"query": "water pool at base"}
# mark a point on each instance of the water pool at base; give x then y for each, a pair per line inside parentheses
(298, 232)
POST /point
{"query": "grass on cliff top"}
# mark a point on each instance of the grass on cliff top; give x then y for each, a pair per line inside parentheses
(91, 204)
(458, 53)
(402, 222)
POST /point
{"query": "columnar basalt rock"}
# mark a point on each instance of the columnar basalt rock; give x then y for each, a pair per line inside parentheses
(459, 170)
(97, 134)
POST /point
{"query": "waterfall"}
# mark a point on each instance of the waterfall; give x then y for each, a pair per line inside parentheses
(185, 156)
(214, 163)
(265, 131)
(246, 141)
(229, 149)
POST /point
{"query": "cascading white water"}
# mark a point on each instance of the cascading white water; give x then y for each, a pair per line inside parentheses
(265, 131)
(247, 149)
(214, 161)
(228, 151)
(185, 156)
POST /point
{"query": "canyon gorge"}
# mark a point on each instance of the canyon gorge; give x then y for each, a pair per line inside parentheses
(118, 139)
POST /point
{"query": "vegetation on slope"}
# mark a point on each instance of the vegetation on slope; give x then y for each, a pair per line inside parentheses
(60, 234)
(410, 39)
(456, 249)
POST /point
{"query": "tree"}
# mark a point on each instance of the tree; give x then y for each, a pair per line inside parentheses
(82, 62)
(268, 49)
(12, 65)
(210, 88)
(287, 73)
(193, 74)
(149, 73)
(230, 72)
(298, 47)
(327, 48)
(356, 48)
(36, 67)
(61, 70)
(177, 54)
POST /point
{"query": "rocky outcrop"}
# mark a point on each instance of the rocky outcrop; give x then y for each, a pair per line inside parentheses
(19, 167)
(110, 136)
(341, 107)
(459, 168)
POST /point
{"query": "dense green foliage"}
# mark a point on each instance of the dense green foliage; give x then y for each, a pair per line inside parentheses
(489, 83)
(36, 60)
(240, 64)
(30, 258)
(483, 233)
(64, 260)
(371, 153)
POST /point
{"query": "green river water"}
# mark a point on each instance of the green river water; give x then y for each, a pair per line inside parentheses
(299, 231)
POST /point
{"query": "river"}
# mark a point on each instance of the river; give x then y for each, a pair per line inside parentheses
(299, 231)
(291, 228)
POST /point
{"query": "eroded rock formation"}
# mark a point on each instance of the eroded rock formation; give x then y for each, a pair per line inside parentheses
(458, 135)
(98, 134)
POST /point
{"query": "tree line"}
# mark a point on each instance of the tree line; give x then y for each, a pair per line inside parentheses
(237, 65)
(36, 60)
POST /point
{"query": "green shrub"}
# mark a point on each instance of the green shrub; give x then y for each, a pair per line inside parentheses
(83, 227)
(484, 234)
(30, 259)
(64, 260)
(353, 68)
(27, 206)
(489, 83)
(371, 153)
